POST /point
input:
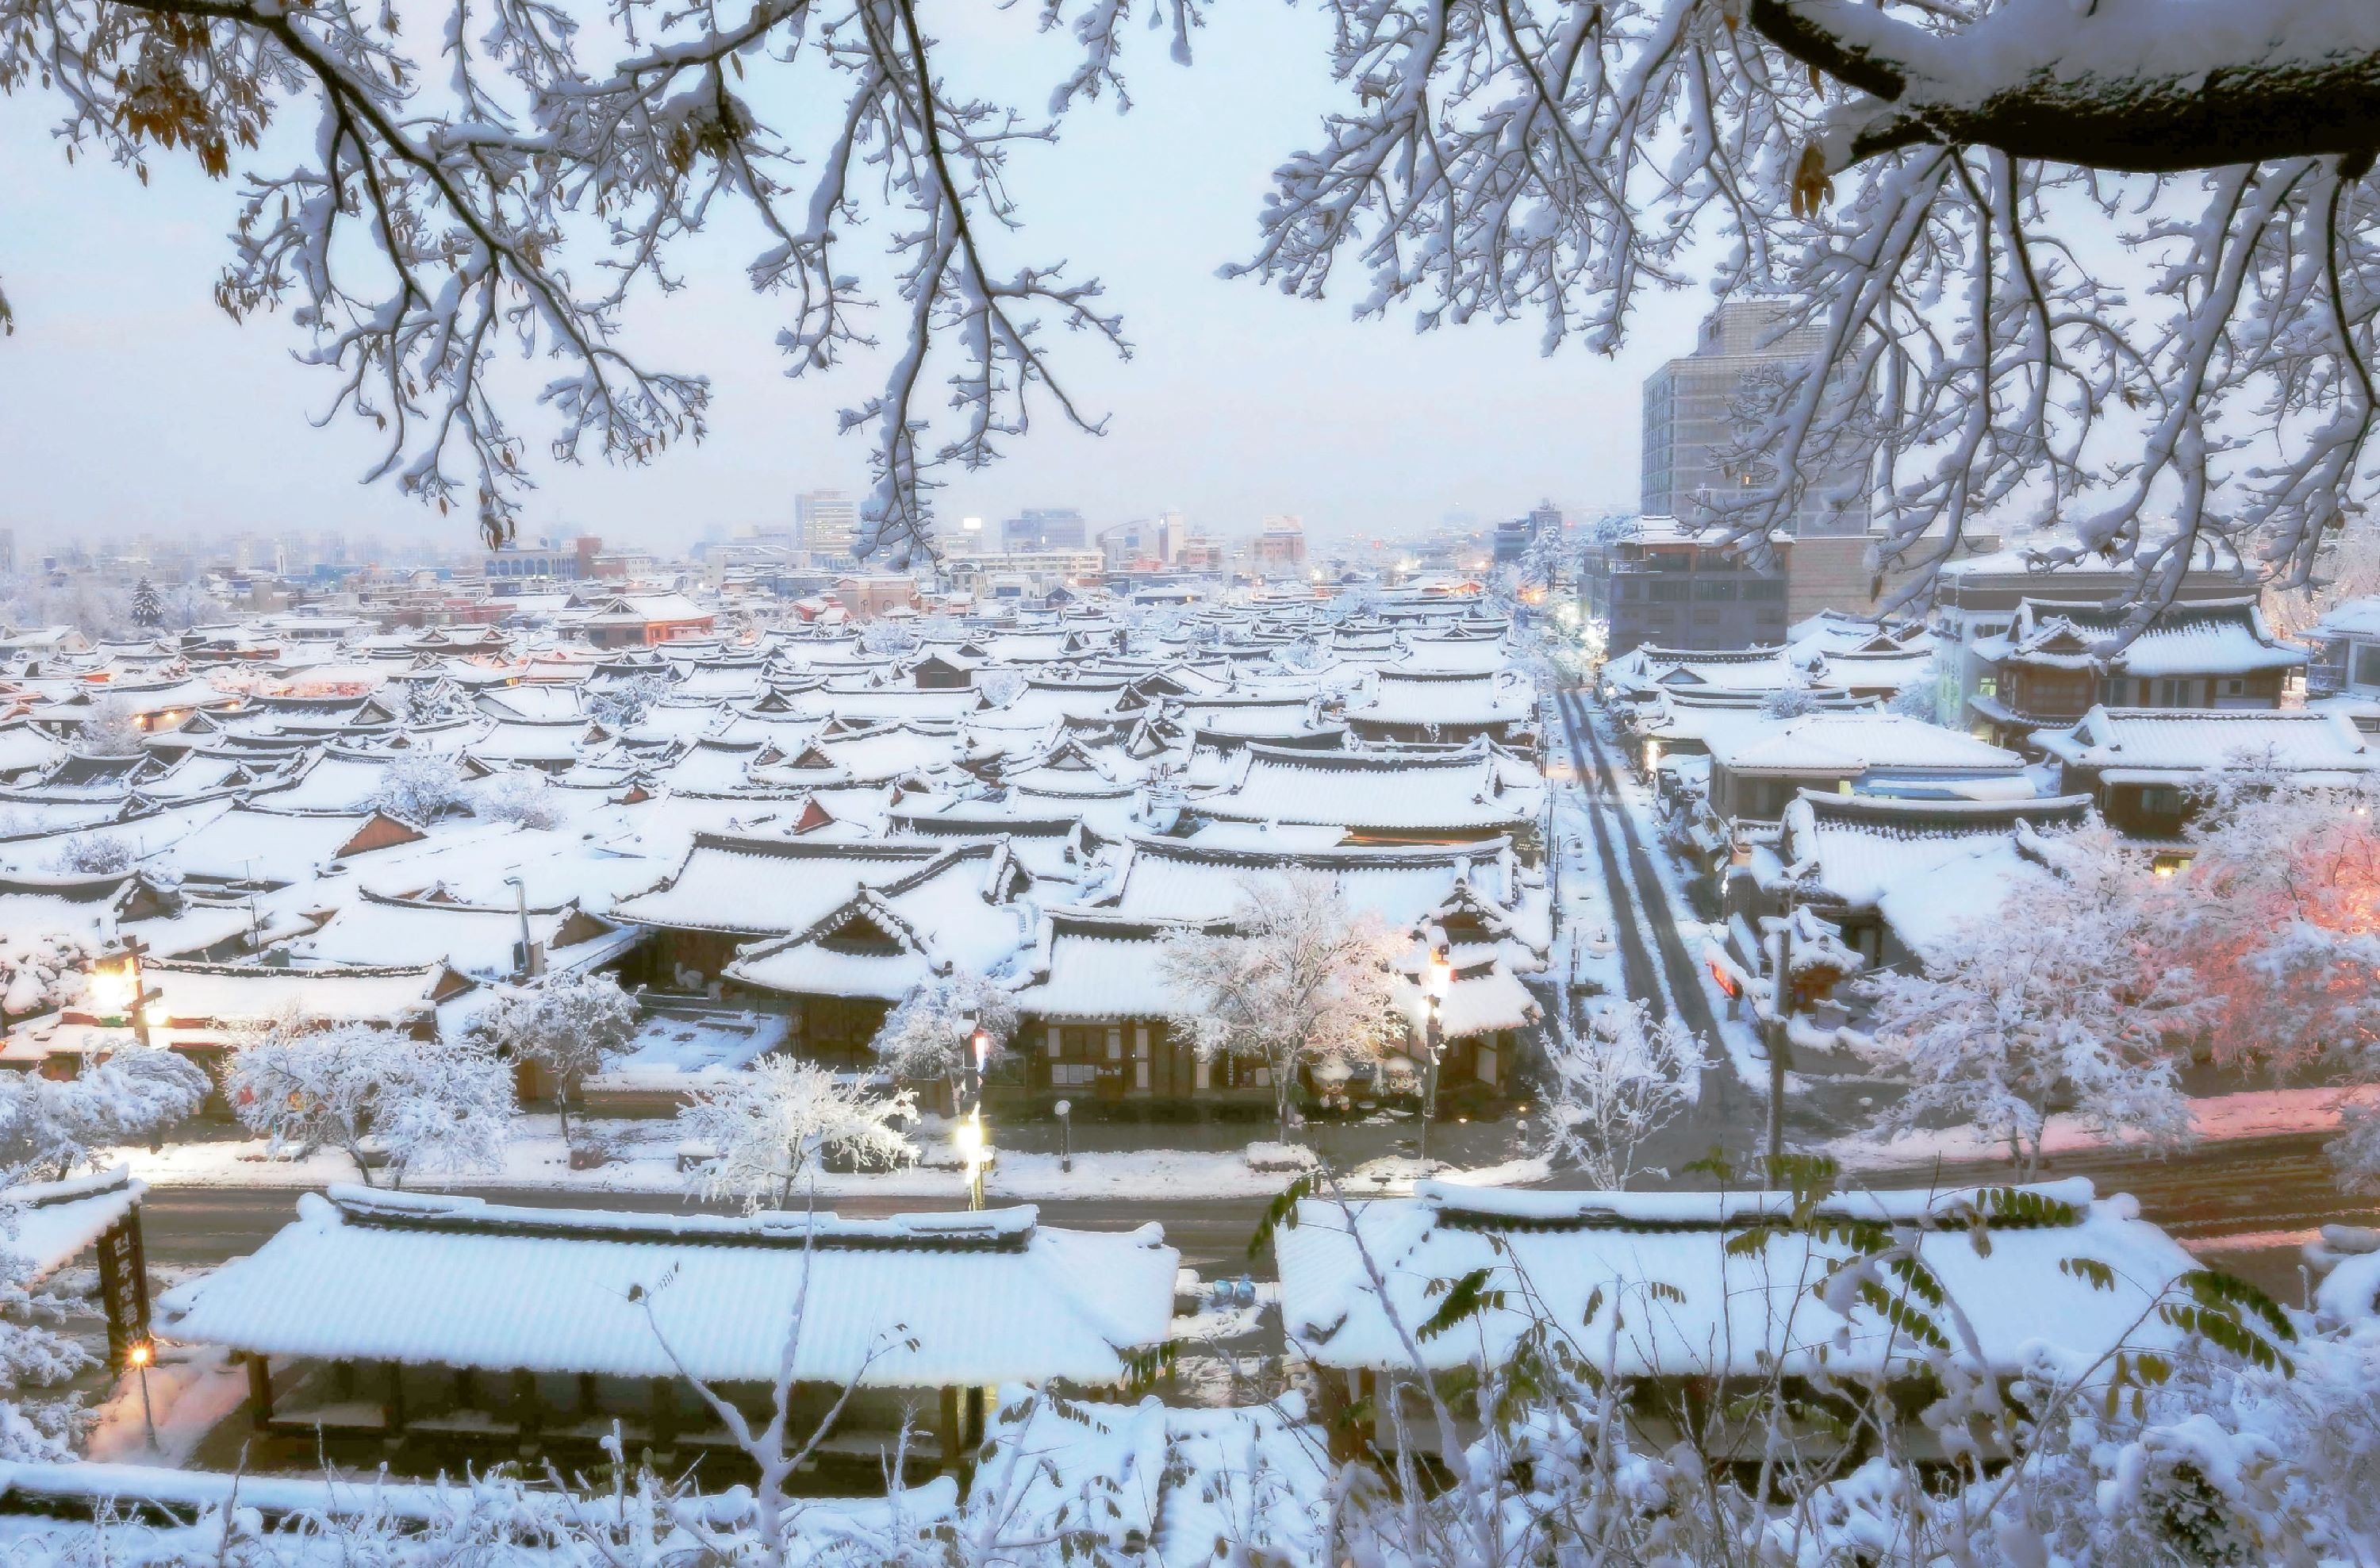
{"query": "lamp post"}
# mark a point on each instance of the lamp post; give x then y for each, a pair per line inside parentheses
(1440, 974)
(1065, 1109)
(974, 1141)
(520, 905)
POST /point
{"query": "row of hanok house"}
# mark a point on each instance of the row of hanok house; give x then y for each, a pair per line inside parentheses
(834, 929)
(424, 1329)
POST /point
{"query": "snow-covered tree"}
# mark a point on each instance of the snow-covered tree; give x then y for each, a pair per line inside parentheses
(924, 1037)
(1612, 1084)
(109, 728)
(1793, 699)
(518, 797)
(570, 1025)
(148, 610)
(889, 636)
(95, 853)
(40, 970)
(770, 1125)
(55, 1125)
(1295, 978)
(2276, 918)
(620, 704)
(2059, 1000)
(422, 787)
(425, 1105)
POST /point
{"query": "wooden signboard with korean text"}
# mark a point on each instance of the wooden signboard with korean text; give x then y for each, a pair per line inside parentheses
(124, 1287)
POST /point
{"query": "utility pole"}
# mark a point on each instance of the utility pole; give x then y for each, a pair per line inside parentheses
(1780, 1046)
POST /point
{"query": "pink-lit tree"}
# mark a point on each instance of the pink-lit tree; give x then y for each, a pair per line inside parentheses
(2277, 920)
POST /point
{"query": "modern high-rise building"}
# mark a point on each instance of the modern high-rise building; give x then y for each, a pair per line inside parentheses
(1051, 527)
(1689, 417)
(827, 523)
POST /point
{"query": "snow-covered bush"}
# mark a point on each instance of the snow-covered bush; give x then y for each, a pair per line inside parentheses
(422, 788)
(95, 853)
(570, 1025)
(1610, 1086)
(1296, 979)
(770, 1125)
(40, 970)
(620, 704)
(110, 729)
(40, 1419)
(888, 637)
(1793, 699)
(924, 1037)
(55, 1125)
(520, 797)
(422, 1105)
(999, 687)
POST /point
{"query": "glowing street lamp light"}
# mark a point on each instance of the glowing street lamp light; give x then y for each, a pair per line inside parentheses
(117, 995)
(974, 1141)
(137, 1355)
(1438, 979)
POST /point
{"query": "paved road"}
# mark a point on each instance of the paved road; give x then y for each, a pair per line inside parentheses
(2262, 1192)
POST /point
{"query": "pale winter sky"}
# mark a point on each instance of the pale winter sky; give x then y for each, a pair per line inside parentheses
(129, 402)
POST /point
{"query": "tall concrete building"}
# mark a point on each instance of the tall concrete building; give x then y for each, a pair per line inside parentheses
(827, 523)
(1689, 416)
(1047, 528)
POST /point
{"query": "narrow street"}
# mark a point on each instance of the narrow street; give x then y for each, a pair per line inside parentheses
(1723, 1115)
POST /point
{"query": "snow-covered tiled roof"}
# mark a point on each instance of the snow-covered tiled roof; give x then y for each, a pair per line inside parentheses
(1853, 743)
(769, 885)
(2191, 741)
(1589, 1259)
(1458, 791)
(917, 1301)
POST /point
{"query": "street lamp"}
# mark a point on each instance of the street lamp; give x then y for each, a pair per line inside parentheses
(1440, 976)
(520, 905)
(118, 991)
(1065, 1109)
(973, 1142)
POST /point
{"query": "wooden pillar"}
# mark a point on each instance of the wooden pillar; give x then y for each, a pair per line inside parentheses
(259, 1389)
(974, 1434)
(529, 1411)
(588, 1398)
(392, 1397)
(946, 1427)
(466, 1389)
(663, 1394)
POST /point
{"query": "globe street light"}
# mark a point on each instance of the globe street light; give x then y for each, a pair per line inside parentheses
(1065, 1109)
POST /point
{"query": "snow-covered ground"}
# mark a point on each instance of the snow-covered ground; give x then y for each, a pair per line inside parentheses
(2247, 1114)
(540, 1159)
